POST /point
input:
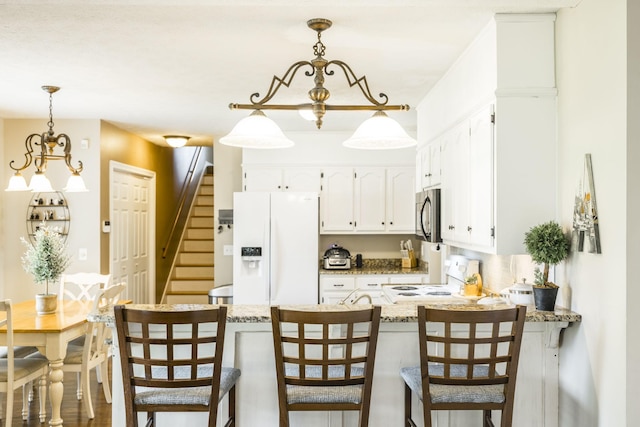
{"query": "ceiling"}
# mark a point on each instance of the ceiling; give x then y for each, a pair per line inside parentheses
(156, 67)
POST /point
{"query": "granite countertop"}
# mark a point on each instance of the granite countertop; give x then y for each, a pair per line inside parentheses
(396, 313)
(379, 266)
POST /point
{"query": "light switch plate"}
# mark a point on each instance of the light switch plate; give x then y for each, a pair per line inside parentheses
(82, 254)
(228, 250)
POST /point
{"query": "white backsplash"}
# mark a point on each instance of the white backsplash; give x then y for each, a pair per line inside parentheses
(501, 271)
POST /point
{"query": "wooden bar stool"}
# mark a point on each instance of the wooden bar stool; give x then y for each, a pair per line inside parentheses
(172, 362)
(325, 360)
(468, 361)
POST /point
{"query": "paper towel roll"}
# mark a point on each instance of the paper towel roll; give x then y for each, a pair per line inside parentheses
(433, 255)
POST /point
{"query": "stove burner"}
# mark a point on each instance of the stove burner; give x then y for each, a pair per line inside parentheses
(405, 288)
(408, 294)
(440, 293)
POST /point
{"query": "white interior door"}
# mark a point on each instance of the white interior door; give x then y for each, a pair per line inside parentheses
(132, 240)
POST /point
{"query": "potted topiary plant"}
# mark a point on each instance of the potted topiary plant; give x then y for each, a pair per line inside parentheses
(45, 260)
(547, 245)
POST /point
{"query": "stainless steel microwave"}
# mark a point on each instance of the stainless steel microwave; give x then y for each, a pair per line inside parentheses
(428, 215)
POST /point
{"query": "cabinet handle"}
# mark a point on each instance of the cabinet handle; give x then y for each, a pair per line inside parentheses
(390, 222)
(338, 285)
(372, 284)
(382, 223)
(469, 228)
(279, 187)
(286, 187)
(427, 175)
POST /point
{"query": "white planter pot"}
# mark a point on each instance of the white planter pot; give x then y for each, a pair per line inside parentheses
(46, 303)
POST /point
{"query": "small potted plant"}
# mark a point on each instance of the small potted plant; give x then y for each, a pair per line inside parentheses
(473, 285)
(547, 245)
(45, 260)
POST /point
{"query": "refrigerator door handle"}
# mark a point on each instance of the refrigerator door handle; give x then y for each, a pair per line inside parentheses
(267, 260)
(273, 259)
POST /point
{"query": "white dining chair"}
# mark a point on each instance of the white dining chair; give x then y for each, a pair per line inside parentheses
(78, 287)
(17, 372)
(95, 351)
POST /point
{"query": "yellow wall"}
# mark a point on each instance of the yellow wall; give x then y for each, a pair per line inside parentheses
(168, 163)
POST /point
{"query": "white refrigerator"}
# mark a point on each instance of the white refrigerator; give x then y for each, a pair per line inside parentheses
(275, 248)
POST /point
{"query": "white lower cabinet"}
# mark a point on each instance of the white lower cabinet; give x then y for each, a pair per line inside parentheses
(335, 288)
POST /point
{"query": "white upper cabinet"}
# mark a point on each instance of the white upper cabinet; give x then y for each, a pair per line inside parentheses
(400, 201)
(336, 200)
(498, 176)
(282, 179)
(428, 165)
(369, 200)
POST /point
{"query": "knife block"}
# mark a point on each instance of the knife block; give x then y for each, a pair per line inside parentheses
(409, 261)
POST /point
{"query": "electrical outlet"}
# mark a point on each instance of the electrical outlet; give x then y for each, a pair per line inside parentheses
(228, 250)
(82, 254)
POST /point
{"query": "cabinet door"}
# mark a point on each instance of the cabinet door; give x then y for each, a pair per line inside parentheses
(481, 144)
(455, 146)
(336, 201)
(262, 179)
(401, 196)
(370, 199)
(447, 190)
(429, 164)
(435, 163)
(302, 179)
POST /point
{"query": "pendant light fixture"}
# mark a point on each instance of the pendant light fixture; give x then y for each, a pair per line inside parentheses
(47, 141)
(251, 132)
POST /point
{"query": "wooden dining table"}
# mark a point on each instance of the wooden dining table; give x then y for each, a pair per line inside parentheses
(50, 333)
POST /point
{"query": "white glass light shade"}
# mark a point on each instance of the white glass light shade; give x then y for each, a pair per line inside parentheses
(40, 183)
(379, 132)
(75, 184)
(256, 131)
(17, 183)
(176, 141)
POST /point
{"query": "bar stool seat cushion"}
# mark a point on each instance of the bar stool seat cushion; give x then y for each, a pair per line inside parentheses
(324, 394)
(441, 393)
(194, 395)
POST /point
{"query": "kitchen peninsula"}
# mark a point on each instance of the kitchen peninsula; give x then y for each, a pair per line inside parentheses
(249, 347)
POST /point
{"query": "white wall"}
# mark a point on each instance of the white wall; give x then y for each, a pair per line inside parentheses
(227, 178)
(633, 206)
(592, 118)
(84, 207)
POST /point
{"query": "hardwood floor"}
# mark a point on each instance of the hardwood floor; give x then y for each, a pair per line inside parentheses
(72, 412)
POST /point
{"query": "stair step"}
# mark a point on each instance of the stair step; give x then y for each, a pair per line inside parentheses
(201, 222)
(193, 272)
(204, 200)
(199, 234)
(195, 258)
(198, 246)
(186, 299)
(178, 286)
(206, 190)
(202, 211)
(207, 180)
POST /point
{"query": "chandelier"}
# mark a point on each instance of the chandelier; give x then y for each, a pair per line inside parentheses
(377, 132)
(47, 142)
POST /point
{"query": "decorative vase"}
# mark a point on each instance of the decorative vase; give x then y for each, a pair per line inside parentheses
(545, 298)
(46, 303)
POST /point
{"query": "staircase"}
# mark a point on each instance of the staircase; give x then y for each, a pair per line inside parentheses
(193, 272)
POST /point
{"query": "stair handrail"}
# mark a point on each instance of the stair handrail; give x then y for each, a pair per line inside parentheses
(183, 197)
